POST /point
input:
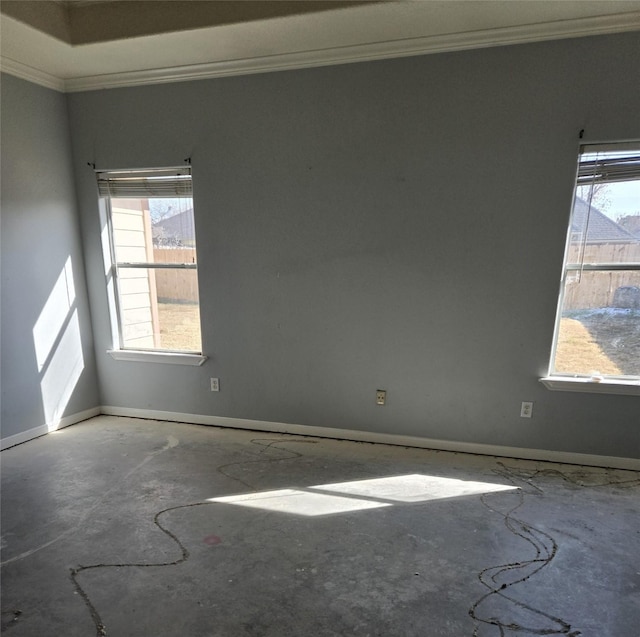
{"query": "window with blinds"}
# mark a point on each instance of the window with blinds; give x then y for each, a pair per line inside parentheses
(597, 333)
(154, 259)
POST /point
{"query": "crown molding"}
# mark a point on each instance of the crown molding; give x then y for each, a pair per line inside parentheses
(24, 72)
(366, 52)
(558, 30)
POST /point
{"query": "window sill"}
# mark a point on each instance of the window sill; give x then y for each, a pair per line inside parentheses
(171, 358)
(605, 386)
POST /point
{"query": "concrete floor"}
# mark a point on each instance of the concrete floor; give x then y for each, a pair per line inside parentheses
(123, 527)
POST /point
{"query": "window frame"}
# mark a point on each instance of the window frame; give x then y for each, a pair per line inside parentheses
(113, 267)
(573, 381)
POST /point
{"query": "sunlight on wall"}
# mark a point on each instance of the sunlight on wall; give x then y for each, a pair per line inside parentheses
(54, 314)
(108, 274)
(361, 494)
(106, 244)
(58, 346)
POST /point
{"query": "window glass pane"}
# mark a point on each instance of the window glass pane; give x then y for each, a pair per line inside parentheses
(159, 309)
(605, 226)
(153, 230)
(131, 230)
(599, 331)
(598, 325)
(152, 222)
(172, 224)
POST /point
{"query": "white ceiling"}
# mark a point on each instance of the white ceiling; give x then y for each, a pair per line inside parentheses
(355, 33)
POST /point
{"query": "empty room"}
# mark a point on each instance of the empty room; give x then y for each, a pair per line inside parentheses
(320, 318)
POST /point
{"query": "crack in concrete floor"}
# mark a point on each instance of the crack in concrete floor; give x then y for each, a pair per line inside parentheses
(101, 629)
(544, 545)
(505, 608)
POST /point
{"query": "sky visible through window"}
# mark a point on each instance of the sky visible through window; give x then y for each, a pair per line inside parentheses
(621, 199)
(615, 199)
(162, 208)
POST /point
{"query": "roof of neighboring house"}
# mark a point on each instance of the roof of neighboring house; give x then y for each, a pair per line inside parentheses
(178, 227)
(600, 228)
(631, 223)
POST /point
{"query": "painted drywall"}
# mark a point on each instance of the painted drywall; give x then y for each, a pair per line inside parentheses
(48, 367)
(396, 224)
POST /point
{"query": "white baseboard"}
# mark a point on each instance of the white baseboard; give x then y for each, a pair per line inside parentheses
(563, 457)
(36, 432)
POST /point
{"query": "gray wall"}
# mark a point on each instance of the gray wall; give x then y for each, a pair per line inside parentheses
(396, 224)
(48, 367)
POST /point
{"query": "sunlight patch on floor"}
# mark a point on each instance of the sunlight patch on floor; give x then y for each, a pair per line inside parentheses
(358, 495)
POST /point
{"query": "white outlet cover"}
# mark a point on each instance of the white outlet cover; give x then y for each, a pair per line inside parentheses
(526, 410)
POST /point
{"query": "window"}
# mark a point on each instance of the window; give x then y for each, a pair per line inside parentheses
(597, 336)
(153, 259)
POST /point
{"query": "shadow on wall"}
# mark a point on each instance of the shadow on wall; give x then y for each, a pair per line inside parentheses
(58, 347)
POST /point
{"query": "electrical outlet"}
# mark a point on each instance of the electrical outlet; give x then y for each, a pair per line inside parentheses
(526, 410)
(381, 396)
(215, 384)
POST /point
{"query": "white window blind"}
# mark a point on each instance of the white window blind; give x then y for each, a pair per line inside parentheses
(597, 167)
(169, 182)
